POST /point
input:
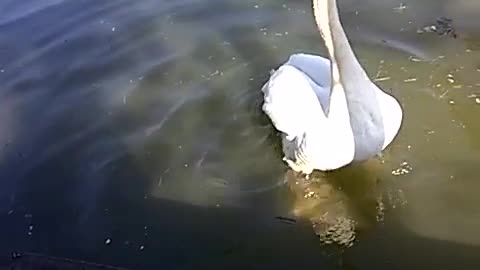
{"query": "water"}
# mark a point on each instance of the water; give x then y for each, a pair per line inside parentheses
(131, 135)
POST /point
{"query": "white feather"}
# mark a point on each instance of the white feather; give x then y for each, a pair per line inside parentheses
(293, 101)
(306, 100)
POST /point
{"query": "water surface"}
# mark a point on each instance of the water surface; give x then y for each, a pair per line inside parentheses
(131, 134)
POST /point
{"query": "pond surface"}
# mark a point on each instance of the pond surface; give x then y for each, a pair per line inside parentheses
(131, 134)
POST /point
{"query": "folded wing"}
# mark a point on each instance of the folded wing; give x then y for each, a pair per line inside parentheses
(296, 96)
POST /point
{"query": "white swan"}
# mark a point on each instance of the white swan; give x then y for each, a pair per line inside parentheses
(329, 112)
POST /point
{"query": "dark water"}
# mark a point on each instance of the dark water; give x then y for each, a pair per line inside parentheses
(130, 134)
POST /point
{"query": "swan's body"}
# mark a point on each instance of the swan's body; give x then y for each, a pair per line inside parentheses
(329, 112)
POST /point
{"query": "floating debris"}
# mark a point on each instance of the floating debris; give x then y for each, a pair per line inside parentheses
(443, 27)
(450, 78)
(443, 94)
(400, 8)
(413, 59)
(386, 78)
(410, 80)
(108, 241)
(286, 219)
(404, 169)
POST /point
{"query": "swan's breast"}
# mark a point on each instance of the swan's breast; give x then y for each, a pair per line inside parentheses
(392, 116)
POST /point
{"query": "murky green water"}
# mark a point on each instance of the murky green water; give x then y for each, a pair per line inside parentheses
(131, 134)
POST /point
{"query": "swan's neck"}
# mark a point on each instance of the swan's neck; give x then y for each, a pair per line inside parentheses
(354, 106)
(345, 66)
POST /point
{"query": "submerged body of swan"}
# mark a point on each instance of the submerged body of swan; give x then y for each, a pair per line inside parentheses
(329, 112)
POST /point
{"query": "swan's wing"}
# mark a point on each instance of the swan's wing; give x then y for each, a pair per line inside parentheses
(314, 66)
(291, 102)
(317, 69)
(294, 102)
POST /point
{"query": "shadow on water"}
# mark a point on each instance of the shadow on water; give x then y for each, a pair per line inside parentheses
(146, 233)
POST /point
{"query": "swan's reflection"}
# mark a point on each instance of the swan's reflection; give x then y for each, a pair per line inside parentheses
(339, 204)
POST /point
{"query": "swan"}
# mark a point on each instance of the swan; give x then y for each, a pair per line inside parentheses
(328, 111)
